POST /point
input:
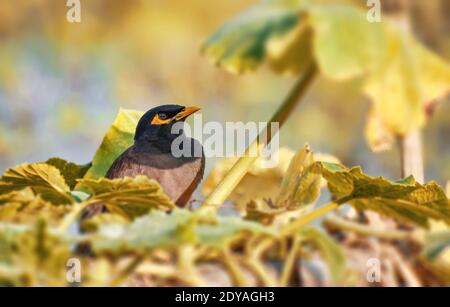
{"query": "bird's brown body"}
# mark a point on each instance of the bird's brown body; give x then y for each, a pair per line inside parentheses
(178, 176)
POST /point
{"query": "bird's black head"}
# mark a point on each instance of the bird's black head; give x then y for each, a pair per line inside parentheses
(156, 124)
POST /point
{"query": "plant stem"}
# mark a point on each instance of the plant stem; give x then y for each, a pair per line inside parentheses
(305, 219)
(290, 265)
(261, 272)
(411, 155)
(410, 145)
(127, 271)
(241, 167)
(186, 266)
(236, 272)
(340, 223)
(72, 216)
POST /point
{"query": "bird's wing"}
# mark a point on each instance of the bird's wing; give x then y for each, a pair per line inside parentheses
(122, 166)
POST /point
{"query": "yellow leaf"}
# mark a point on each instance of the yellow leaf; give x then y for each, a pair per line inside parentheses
(404, 200)
(118, 138)
(407, 78)
(129, 197)
(346, 45)
(298, 187)
(44, 179)
(291, 53)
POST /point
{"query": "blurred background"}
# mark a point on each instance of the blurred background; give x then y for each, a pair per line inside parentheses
(61, 83)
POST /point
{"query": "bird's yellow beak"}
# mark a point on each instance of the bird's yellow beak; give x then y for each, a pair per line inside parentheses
(186, 112)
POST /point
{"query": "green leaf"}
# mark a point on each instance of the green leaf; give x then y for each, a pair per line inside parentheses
(44, 179)
(346, 45)
(70, 171)
(406, 200)
(129, 197)
(291, 34)
(330, 250)
(158, 229)
(118, 138)
(241, 44)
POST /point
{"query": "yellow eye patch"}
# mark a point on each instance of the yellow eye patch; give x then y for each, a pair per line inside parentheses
(158, 121)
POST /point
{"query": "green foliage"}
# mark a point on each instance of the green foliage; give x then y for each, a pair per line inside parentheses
(409, 78)
(240, 45)
(142, 226)
(399, 74)
(32, 256)
(405, 200)
(37, 205)
(287, 33)
(159, 229)
(345, 45)
(70, 171)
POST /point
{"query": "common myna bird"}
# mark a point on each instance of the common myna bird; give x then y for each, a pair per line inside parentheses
(152, 155)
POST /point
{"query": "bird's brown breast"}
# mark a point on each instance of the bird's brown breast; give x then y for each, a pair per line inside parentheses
(178, 177)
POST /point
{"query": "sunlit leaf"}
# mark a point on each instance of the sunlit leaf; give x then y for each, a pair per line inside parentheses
(346, 45)
(128, 196)
(288, 33)
(408, 77)
(118, 138)
(292, 52)
(70, 171)
(405, 200)
(241, 44)
(44, 179)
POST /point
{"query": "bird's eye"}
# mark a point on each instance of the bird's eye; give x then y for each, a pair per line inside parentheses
(162, 116)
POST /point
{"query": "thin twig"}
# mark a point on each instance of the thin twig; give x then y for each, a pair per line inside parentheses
(127, 271)
(235, 271)
(289, 268)
(307, 218)
(336, 222)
